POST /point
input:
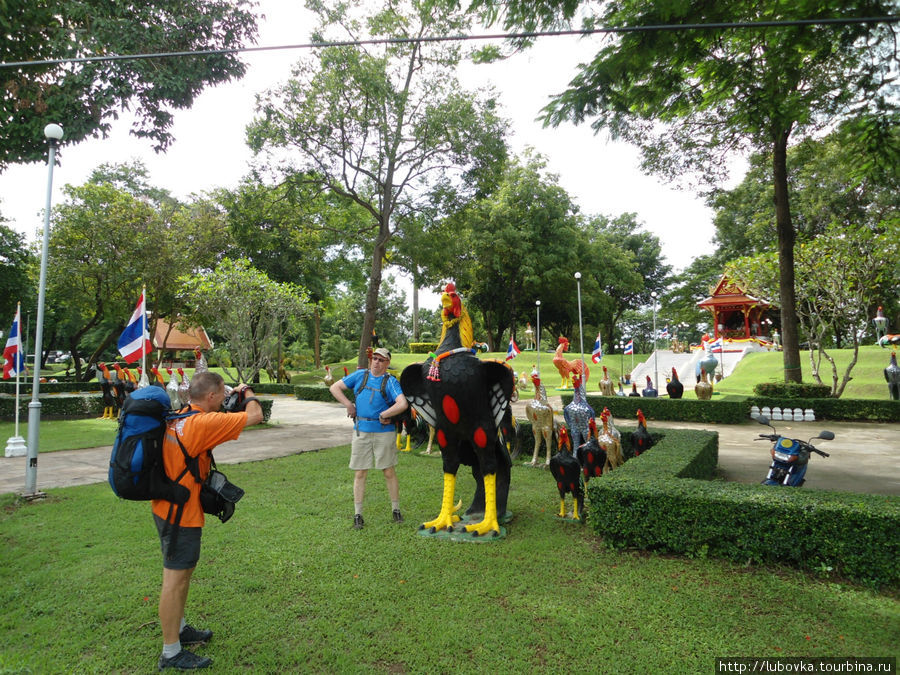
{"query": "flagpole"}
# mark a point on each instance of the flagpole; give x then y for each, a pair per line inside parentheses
(143, 328)
(15, 446)
(580, 332)
(538, 344)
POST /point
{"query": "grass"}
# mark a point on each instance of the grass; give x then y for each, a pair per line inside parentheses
(288, 586)
(66, 434)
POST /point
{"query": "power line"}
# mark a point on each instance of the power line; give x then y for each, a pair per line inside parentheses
(463, 38)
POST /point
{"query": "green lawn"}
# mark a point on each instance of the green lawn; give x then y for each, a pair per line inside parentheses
(288, 586)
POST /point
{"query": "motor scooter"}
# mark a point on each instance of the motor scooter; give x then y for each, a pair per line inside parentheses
(790, 456)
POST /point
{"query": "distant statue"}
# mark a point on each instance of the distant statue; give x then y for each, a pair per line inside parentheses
(881, 324)
(776, 340)
(529, 337)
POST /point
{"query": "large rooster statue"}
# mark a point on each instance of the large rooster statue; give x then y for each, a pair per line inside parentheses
(578, 413)
(568, 368)
(465, 400)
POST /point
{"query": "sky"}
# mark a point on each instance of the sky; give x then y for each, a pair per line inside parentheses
(209, 150)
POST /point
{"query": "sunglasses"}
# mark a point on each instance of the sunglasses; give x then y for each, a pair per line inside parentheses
(379, 358)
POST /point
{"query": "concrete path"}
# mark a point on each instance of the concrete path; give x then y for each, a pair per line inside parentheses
(864, 457)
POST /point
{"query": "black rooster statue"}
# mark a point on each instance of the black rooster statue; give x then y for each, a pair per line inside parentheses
(892, 375)
(591, 456)
(641, 440)
(567, 472)
(674, 387)
(465, 400)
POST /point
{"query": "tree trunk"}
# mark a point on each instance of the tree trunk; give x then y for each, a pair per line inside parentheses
(378, 254)
(317, 346)
(415, 310)
(789, 328)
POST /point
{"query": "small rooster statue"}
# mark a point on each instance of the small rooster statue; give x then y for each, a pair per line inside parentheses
(329, 378)
(649, 391)
(704, 388)
(465, 400)
(578, 413)
(641, 440)
(567, 472)
(892, 375)
(119, 386)
(609, 440)
(606, 385)
(674, 387)
(184, 389)
(172, 390)
(109, 397)
(591, 456)
(540, 414)
(634, 391)
(129, 384)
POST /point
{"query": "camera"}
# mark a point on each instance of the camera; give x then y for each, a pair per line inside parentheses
(218, 495)
(236, 401)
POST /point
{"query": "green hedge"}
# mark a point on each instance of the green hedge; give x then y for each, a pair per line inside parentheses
(314, 392)
(736, 409)
(48, 387)
(89, 405)
(422, 347)
(723, 411)
(792, 390)
(661, 502)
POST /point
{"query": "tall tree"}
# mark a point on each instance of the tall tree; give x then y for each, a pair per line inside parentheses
(689, 98)
(378, 125)
(87, 96)
(247, 308)
(14, 284)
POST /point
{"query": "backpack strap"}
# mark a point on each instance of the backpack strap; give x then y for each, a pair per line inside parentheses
(384, 381)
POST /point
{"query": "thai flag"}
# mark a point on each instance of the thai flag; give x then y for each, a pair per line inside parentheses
(597, 354)
(665, 332)
(716, 345)
(629, 348)
(513, 350)
(131, 346)
(15, 360)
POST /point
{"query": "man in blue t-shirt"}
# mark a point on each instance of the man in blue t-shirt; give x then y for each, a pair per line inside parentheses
(378, 397)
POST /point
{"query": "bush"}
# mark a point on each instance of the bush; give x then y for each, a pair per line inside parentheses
(315, 392)
(89, 405)
(792, 390)
(60, 387)
(661, 501)
(422, 347)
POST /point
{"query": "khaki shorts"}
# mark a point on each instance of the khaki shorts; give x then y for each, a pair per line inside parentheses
(373, 448)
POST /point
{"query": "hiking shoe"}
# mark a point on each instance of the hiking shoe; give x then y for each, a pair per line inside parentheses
(358, 522)
(398, 517)
(192, 636)
(185, 660)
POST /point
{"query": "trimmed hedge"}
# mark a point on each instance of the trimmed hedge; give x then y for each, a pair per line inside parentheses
(736, 409)
(422, 347)
(661, 502)
(48, 387)
(314, 392)
(88, 405)
(792, 390)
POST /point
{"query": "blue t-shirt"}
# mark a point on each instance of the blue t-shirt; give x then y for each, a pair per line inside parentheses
(369, 401)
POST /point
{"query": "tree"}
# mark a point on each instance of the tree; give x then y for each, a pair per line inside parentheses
(87, 96)
(14, 284)
(691, 98)
(835, 287)
(376, 126)
(247, 308)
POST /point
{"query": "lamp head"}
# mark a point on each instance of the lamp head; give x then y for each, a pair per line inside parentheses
(53, 132)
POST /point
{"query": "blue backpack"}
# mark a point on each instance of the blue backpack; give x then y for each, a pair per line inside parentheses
(136, 469)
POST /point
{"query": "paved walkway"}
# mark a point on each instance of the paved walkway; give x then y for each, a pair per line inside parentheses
(865, 457)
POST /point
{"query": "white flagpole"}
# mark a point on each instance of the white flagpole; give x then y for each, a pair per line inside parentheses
(143, 328)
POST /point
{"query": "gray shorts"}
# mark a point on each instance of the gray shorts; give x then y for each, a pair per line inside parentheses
(187, 545)
(376, 449)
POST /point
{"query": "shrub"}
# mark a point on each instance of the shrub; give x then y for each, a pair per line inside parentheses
(89, 405)
(792, 390)
(314, 392)
(660, 501)
(422, 347)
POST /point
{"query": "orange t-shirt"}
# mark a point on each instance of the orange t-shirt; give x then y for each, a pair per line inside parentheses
(198, 433)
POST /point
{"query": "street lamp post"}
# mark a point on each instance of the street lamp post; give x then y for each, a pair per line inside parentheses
(621, 349)
(580, 331)
(53, 134)
(538, 343)
(655, 357)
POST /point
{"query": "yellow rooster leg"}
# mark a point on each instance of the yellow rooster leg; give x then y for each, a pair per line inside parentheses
(408, 443)
(446, 517)
(575, 514)
(490, 508)
(562, 507)
(399, 443)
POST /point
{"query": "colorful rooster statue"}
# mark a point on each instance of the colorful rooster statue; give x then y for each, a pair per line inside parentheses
(184, 389)
(591, 456)
(172, 390)
(540, 414)
(465, 400)
(578, 413)
(567, 368)
(606, 384)
(674, 387)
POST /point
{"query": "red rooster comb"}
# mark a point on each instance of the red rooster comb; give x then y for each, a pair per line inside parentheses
(592, 425)
(450, 288)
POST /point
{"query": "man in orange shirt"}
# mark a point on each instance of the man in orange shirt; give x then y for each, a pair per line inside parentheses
(198, 434)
